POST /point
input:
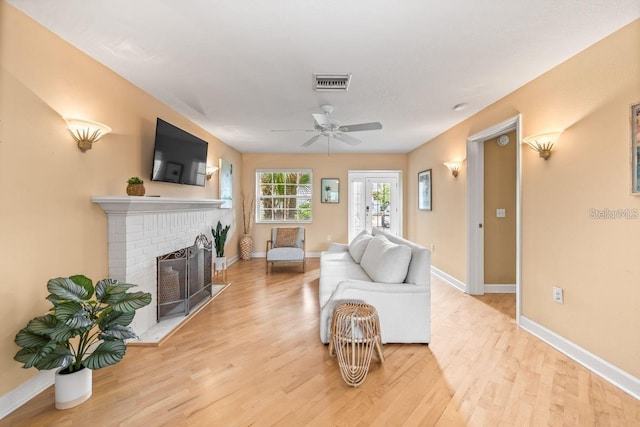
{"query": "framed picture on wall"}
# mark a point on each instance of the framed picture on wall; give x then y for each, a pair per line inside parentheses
(424, 190)
(226, 183)
(330, 190)
(635, 149)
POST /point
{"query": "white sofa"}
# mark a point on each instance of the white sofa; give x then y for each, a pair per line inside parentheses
(370, 270)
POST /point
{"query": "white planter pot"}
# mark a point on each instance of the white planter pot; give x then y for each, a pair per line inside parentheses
(73, 389)
(220, 263)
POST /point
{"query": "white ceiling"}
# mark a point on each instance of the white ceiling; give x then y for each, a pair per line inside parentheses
(242, 68)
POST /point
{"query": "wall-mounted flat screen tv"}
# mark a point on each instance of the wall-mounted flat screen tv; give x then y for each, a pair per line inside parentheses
(178, 156)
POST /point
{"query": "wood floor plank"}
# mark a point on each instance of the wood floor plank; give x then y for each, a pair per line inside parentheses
(253, 357)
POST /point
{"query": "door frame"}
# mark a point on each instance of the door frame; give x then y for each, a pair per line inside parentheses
(475, 206)
(368, 174)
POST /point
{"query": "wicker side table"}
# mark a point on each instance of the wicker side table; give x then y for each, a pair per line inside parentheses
(355, 332)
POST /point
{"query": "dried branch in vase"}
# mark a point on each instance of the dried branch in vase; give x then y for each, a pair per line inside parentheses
(247, 215)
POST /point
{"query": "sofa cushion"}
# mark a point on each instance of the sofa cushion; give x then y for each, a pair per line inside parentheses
(419, 270)
(358, 245)
(386, 262)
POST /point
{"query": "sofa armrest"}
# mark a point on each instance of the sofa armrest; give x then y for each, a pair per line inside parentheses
(361, 287)
(403, 309)
(338, 247)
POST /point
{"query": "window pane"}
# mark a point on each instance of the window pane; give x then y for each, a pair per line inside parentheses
(283, 196)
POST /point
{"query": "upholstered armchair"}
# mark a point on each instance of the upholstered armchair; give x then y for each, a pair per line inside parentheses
(286, 246)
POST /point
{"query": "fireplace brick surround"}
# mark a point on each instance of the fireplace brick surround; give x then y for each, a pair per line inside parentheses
(143, 228)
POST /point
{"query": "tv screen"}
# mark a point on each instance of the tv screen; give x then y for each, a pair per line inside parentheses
(178, 157)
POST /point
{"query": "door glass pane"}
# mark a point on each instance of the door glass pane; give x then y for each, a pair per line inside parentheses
(357, 207)
(380, 208)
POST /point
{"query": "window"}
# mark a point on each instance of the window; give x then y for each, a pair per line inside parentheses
(283, 195)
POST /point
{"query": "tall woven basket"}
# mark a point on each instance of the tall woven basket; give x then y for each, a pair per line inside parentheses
(246, 247)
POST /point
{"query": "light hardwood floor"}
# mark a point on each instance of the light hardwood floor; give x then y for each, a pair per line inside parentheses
(253, 357)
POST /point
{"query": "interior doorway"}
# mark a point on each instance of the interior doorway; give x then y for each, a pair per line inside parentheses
(375, 202)
(475, 205)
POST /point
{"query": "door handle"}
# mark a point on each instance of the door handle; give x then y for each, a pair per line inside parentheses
(479, 225)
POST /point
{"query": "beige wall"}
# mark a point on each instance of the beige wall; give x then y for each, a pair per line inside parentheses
(595, 261)
(500, 192)
(49, 226)
(328, 218)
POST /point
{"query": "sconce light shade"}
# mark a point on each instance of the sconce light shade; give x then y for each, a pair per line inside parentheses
(454, 167)
(86, 132)
(211, 170)
(543, 143)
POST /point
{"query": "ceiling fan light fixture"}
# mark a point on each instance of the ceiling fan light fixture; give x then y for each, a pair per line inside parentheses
(331, 82)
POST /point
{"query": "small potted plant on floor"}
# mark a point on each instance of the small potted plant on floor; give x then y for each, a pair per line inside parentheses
(219, 239)
(135, 186)
(85, 330)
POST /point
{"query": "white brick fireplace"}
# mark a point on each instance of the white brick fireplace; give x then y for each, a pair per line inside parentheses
(143, 228)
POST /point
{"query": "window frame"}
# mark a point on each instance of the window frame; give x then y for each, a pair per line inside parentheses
(259, 196)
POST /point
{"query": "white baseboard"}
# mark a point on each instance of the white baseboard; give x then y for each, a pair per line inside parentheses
(26, 391)
(616, 376)
(449, 279)
(264, 255)
(499, 289)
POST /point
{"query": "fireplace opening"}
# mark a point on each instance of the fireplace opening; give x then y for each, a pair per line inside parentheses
(184, 279)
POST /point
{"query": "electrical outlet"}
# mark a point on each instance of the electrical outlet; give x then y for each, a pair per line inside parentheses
(328, 237)
(558, 295)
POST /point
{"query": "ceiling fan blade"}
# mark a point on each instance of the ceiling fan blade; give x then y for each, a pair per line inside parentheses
(293, 130)
(321, 119)
(311, 140)
(346, 138)
(360, 127)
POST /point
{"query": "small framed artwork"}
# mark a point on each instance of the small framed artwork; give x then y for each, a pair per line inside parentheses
(173, 172)
(330, 190)
(226, 183)
(424, 190)
(635, 149)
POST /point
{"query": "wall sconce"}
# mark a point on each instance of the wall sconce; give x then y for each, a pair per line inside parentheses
(454, 167)
(210, 171)
(86, 132)
(542, 143)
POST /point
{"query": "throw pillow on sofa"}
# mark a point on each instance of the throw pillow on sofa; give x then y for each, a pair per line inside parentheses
(386, 262)
(359, 244)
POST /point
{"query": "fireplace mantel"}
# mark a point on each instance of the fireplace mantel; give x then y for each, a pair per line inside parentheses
(127, 205)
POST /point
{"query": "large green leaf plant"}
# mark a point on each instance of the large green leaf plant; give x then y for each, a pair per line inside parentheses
(86, 327)
(219, 238)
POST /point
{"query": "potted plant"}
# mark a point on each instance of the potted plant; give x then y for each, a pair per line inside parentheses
(135, 186)
(219, 239)
(85, 330)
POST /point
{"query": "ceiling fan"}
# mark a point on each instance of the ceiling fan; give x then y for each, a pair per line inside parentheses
(330, 127)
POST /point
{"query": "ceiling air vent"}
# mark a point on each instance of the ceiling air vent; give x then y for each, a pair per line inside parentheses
(334, 82)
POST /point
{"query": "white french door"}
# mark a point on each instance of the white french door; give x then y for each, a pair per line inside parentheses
(374, 202)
